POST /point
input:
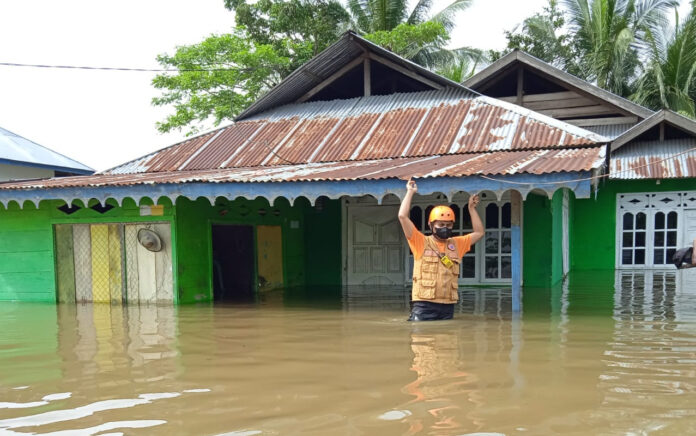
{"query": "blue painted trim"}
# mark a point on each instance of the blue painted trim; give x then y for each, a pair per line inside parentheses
(516, 236)
(524, 183)
(47, 167)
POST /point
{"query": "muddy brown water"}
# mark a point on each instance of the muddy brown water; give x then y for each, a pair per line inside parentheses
(577, 360)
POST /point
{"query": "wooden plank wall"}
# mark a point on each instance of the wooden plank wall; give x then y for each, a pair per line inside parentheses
(570, 105)
(83, 262)
(27, 270)
(65, 263)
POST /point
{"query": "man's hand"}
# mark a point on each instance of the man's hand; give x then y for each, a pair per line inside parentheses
(405, 208)
(474, 201)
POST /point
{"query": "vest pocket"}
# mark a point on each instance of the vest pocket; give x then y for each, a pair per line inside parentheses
(454, 291)
(429, 267)
(426, 289)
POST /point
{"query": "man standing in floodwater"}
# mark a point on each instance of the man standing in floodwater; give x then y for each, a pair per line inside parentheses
(436, 257)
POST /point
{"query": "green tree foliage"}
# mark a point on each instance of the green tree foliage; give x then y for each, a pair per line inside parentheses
(286, 24)
(216, 79)
(624, 46)
(416, 34)
(463, 65)
(543, 35)
(422, 43)
(606, 36)
(384, 15)
(669, 79)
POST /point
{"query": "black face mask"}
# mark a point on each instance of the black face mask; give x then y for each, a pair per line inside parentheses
(443, 232)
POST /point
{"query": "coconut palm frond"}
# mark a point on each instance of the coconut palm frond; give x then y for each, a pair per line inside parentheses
(446, 16)
(420, 12)
(360, 13)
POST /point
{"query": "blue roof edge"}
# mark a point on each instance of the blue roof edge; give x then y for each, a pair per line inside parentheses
(48, 167)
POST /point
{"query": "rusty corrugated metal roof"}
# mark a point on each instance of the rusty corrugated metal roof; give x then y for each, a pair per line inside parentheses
(449, 121)
(460, 165)
(673, 158)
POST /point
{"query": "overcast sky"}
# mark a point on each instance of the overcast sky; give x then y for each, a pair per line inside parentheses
(104, 118)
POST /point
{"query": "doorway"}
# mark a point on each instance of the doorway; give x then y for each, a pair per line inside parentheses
(374, 246)
(233, 263)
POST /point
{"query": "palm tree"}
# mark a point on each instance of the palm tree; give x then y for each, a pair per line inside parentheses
(375, 15)
(379, 16)
(463, 64)
(669, 79)
(608, 34)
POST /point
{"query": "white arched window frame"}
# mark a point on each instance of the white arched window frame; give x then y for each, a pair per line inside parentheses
(651, 226)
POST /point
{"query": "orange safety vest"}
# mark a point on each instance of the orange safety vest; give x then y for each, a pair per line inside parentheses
(432, 280)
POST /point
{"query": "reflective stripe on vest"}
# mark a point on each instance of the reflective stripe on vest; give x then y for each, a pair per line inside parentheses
(432, 280)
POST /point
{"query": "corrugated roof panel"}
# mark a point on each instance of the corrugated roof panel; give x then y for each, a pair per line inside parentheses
(391, 135)
(611, 131)
(262, 145)
(217, 152)
(375, 127)
(304, 141)
(170, 159)
(481, 128)
(439, 129)
(462, 165)
(347, 137)
(673, 158)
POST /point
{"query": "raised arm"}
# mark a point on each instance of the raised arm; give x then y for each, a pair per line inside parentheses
(478, 232)
(405, 209)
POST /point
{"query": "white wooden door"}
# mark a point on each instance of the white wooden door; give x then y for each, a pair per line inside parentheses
(374, 246)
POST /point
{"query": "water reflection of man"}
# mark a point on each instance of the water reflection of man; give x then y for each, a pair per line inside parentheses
(436, 257)
(443, 393)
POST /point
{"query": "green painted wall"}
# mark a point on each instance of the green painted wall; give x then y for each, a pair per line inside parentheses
(194, 222)
(323, 242)
(537, 244)
(27, 267)
(543, 240)
(556, 237)
(594, 220)
(26, 254)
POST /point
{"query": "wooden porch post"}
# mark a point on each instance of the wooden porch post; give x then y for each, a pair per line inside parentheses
(516, 235)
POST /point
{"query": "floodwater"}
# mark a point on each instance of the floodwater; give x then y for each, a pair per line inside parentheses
(581, 358)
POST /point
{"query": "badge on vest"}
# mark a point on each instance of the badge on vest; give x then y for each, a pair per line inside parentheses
(446, 261)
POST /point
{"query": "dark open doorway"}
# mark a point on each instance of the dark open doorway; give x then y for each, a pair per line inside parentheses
(233, 263)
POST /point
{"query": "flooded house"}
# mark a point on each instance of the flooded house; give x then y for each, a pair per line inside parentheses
(644, 206)
(302, 190)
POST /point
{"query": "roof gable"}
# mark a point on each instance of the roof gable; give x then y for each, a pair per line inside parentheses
(523, 79)
(663, 125)
(346, 66)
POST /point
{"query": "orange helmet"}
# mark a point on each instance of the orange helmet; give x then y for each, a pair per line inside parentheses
(441, 213)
